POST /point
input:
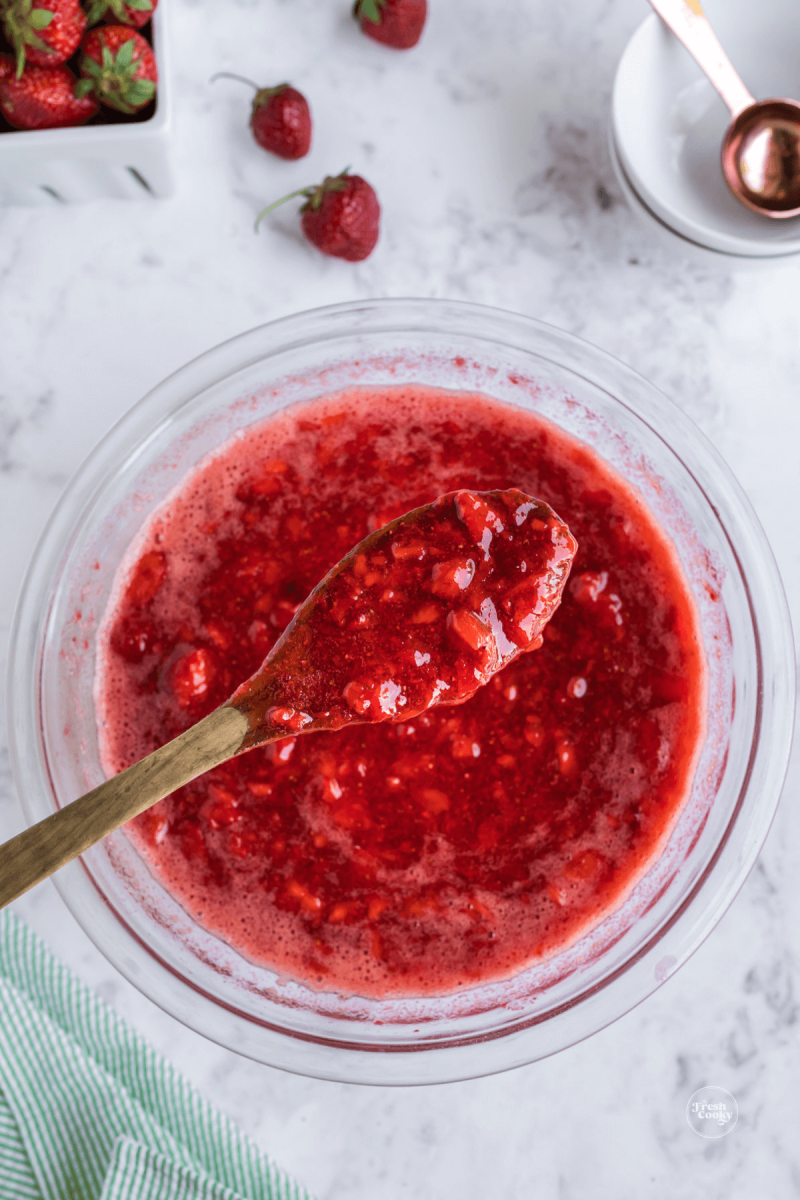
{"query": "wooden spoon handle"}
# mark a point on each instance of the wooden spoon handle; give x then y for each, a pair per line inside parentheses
(42, 849)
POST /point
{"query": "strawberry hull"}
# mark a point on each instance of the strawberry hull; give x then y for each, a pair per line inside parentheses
(135, 13)
(118, 68)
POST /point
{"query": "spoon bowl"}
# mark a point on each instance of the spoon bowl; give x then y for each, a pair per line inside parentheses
(761, 157)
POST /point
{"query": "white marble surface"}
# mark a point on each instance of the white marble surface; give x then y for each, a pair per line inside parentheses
(487, 147)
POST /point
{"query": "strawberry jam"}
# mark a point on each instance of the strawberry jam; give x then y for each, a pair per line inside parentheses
(422, 612)
(423, 855)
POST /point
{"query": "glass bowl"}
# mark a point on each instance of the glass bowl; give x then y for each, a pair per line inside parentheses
(202, 981)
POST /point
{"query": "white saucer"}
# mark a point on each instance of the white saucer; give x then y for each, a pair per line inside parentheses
(668, 123)
(669, 236)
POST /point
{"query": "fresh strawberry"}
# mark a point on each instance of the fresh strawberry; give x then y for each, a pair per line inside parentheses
(397, 23)
(44, 98)
(118, 67)
(43, 32)
(341, 216)
(280, 118)
(281, 121)
(127, 12)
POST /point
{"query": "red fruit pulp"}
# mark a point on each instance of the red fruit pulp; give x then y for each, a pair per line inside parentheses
(422, 612)
(457, 847)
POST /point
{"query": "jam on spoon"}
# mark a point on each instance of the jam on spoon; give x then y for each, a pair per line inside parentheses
(424, 611)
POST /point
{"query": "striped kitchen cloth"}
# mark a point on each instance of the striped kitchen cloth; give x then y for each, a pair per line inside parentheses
(88, 1111)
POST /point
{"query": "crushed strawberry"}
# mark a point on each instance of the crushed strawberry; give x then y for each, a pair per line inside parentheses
(147, 579)
(450, 847)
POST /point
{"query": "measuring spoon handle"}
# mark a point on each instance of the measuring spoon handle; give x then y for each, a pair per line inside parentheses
(691, 26)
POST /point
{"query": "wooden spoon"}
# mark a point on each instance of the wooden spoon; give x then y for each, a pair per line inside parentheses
(421, 612)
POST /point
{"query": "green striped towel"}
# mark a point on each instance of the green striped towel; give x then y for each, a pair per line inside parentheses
(88, 1111)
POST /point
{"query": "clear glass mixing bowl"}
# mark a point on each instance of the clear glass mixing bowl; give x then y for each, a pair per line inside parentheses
(202, 981)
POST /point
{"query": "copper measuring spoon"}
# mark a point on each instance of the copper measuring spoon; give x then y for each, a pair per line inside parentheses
(761, 148)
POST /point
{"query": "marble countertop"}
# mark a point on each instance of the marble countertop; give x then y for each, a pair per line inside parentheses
(487, 146)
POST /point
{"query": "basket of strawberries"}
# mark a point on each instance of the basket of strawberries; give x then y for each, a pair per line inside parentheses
(84, 103)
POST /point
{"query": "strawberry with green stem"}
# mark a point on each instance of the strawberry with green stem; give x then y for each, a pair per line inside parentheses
(341, 216)
(42, 98)
(397, 23)
(280, 118)
(118, 67)
(127, 12)
(43, 32)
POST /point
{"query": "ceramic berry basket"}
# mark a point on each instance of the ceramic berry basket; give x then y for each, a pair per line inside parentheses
(126, 160)
(745, 627)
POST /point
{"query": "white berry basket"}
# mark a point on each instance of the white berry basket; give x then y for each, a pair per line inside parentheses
(126, 160)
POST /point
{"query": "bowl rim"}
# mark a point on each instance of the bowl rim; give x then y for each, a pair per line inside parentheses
(509, 1047)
